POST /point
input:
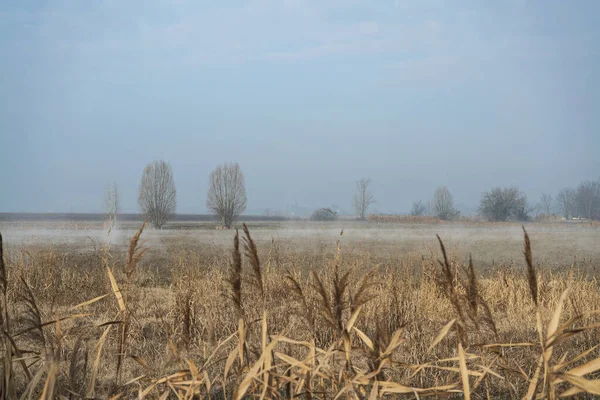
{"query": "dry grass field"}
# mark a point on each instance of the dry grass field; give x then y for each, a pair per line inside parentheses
(294, 309)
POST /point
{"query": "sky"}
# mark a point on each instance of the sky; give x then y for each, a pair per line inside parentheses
(306, 95)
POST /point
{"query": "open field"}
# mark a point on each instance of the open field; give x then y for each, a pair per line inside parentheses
(179, 312)
(557, 244)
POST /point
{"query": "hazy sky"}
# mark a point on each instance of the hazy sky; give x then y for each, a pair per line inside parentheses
(307, 95)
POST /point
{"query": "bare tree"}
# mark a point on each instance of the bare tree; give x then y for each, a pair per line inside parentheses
(363, 198)
(227, 193)
(502, 204)
(565, 202)
(546, 203)
(523, 208)
(418, 208)
(112, 204)
(587, 199)
(157, 195)
(442, 204)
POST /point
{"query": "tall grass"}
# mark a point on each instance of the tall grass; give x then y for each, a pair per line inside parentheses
(102, 325)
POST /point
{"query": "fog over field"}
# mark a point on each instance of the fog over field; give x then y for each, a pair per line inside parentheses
(555, 244)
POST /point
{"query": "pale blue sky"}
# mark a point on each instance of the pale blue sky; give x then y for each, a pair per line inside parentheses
(307, 95)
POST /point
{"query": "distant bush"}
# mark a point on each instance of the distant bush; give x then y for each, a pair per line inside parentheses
(324, 214)
(505, 204)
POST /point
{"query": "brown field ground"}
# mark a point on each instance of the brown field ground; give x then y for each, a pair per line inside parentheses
(380, 311)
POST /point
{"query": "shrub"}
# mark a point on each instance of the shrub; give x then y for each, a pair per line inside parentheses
(503, 204)
(324, 214)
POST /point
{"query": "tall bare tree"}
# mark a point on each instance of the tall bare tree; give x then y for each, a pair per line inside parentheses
(363, 197)
(565, 202)
(227, 193)
(112, 204)
(157, 195)
(418, 208)
(546, 203)
(587, 199)
(442, 204)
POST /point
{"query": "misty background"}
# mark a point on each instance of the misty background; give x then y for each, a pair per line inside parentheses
(308, 96)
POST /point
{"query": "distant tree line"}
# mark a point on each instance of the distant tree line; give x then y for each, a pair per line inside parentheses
(226, 199)
(157, 195)
(580, 202)
(511, 204)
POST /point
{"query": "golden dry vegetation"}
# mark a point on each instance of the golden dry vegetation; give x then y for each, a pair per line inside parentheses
(271, 320)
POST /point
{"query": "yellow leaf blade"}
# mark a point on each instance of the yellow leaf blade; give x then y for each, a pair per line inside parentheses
(441, 335)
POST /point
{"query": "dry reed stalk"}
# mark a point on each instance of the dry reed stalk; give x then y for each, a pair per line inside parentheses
(124, 324)
(325, 301)
(8, 389)
(363, 293)
(447, 275)
(32, 317)
(445, 280)
(78, 364)
(53, 365)
(338, 253)
(96, 365)
(134, 253)
(487, 315)
(4, 287)
(48, 393)
(3, 275)
(340, 286)
(234, 277)
(472, 291)
(531, 273)
(306, 311)
(464, 373)
(251, 253)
